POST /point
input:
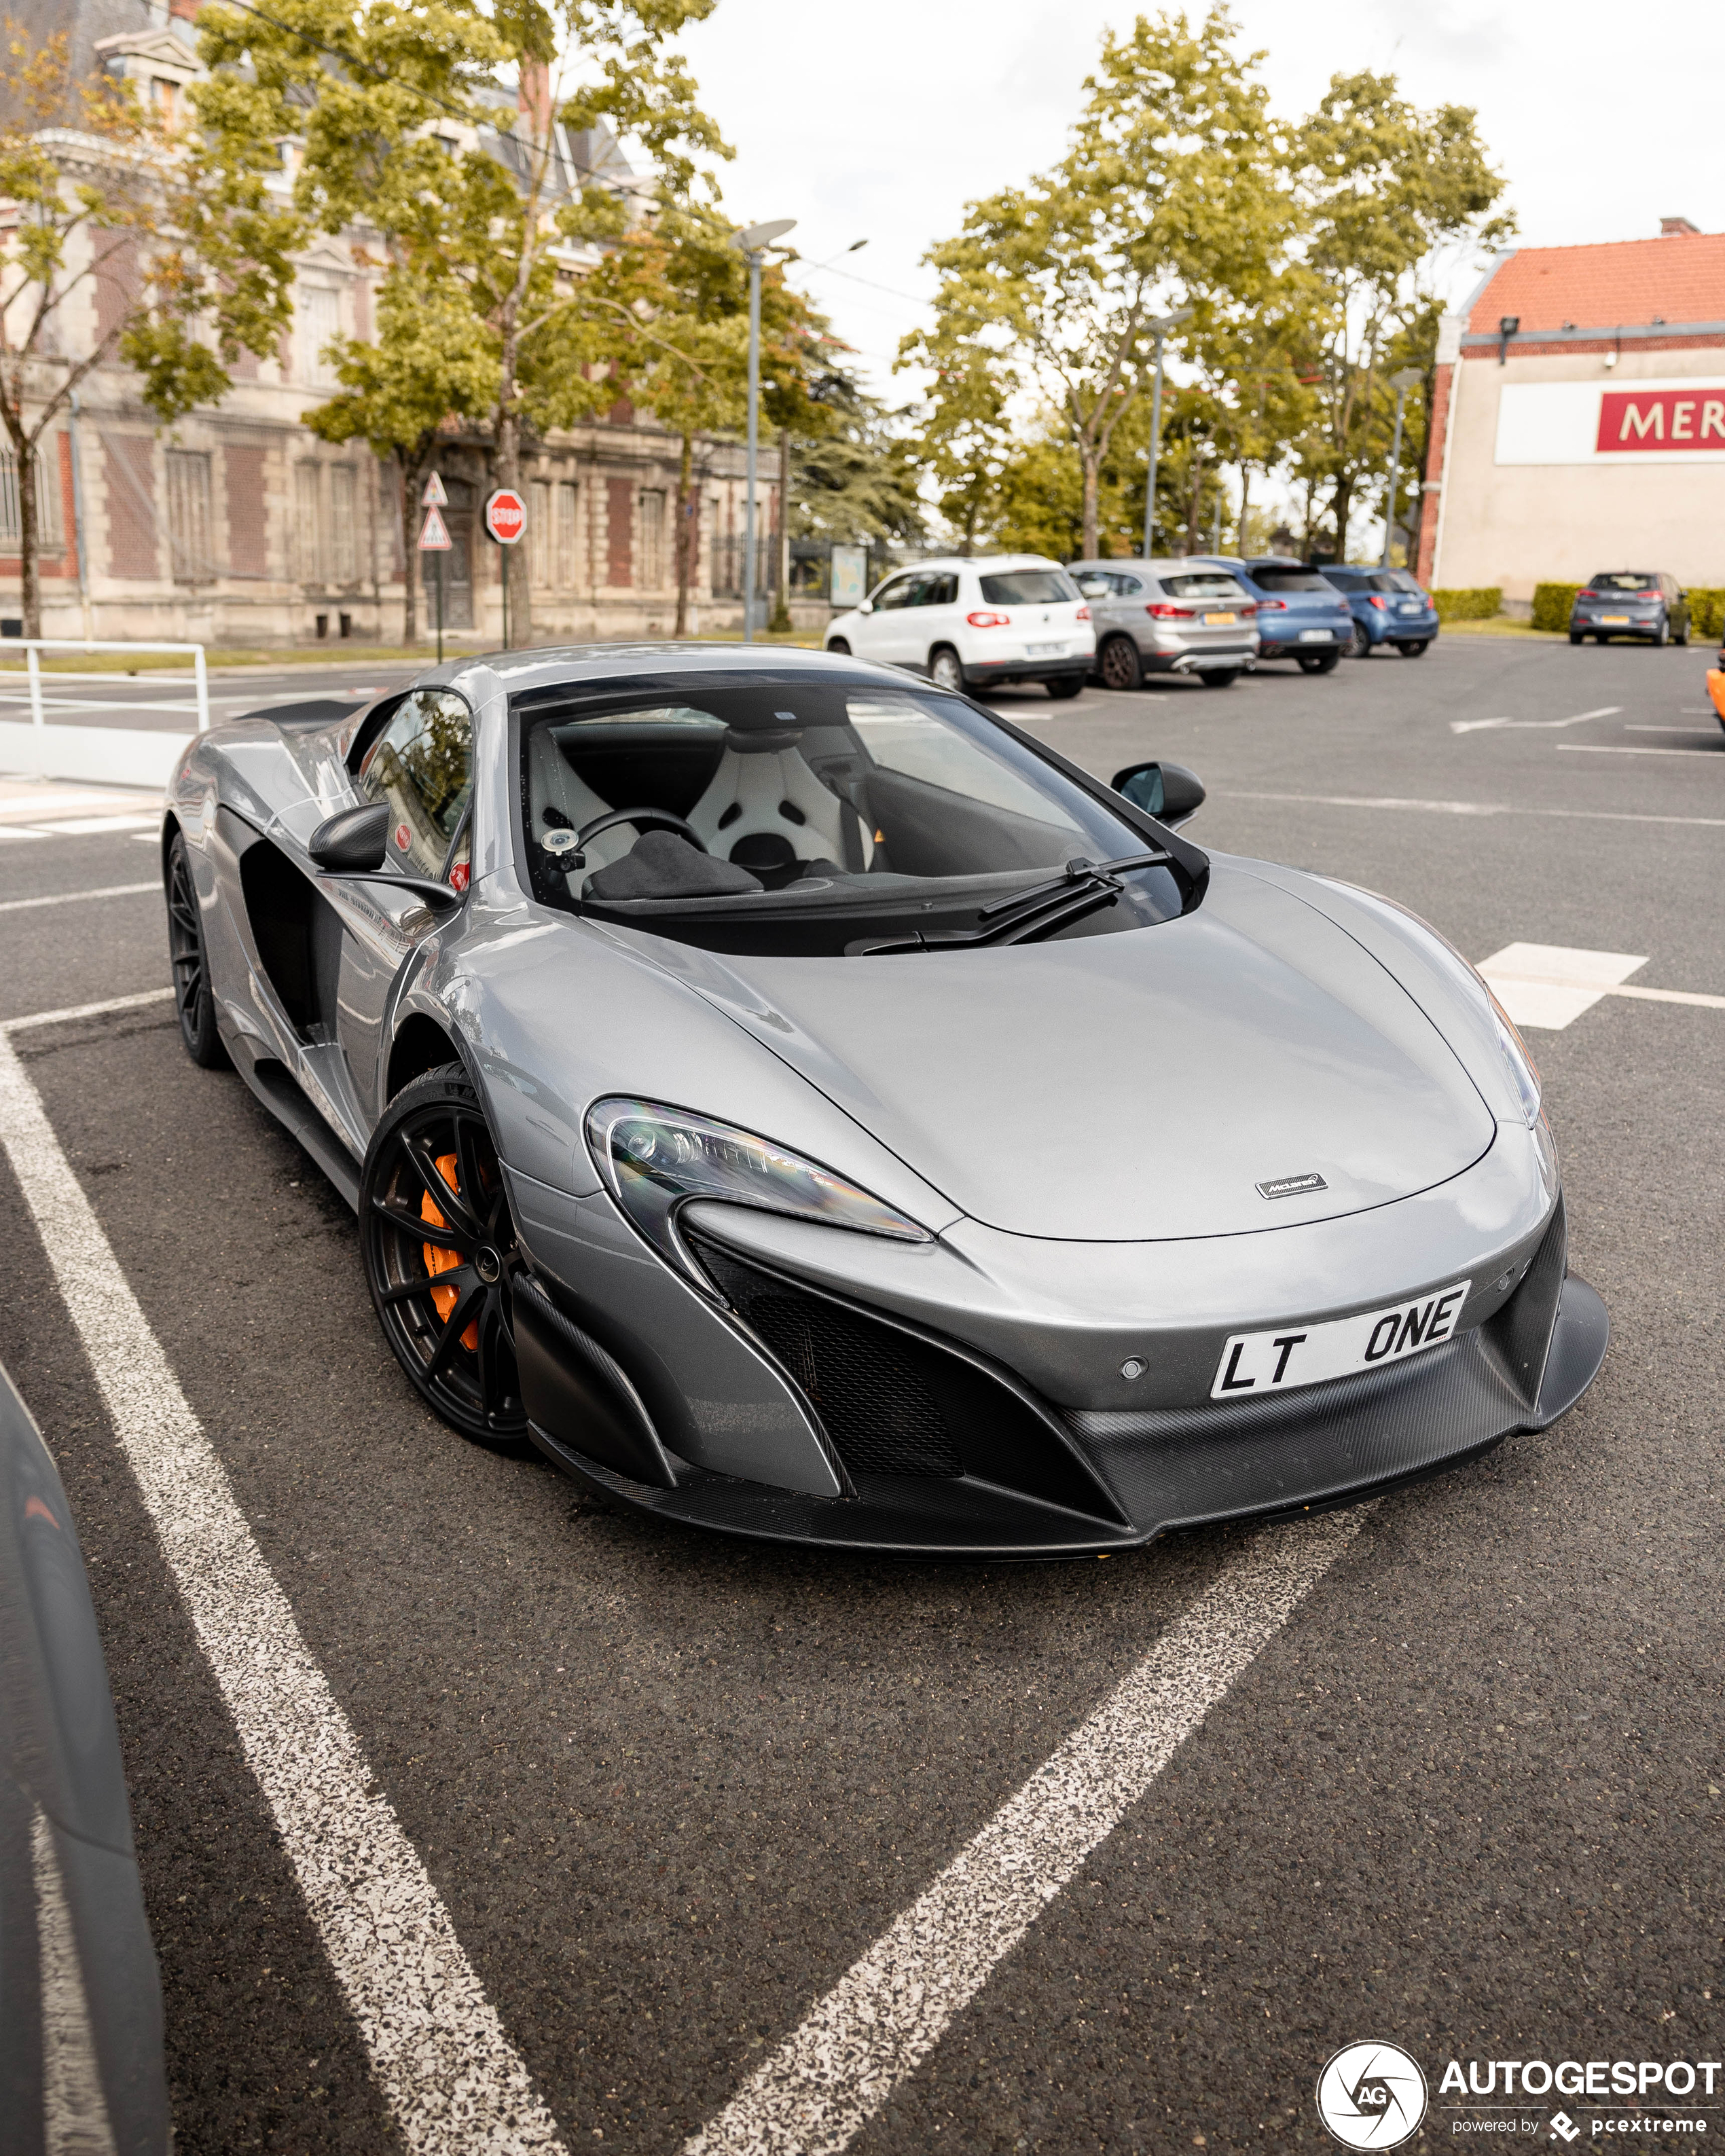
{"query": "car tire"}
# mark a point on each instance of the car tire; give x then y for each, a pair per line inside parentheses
(1360, 646)
(1119, 664)
(1219, 677)
(1064, 685)
(1576, 637)
(1664, 637)
(1318, 662)
(946, 670)
(1414, 650)
(1682, 641)
(409, 1212)
(838, 644)
(188, 961)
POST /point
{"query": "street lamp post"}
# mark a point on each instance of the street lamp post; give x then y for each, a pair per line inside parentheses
(754, 240)
(1160, 328)
(1407, 378)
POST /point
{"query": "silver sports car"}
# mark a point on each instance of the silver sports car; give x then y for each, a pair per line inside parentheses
(803, 1105)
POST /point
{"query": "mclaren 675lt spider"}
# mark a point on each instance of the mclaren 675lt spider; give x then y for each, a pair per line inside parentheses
(804, 1106)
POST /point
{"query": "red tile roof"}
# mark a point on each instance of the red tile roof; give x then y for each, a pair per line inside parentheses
(1622, 281)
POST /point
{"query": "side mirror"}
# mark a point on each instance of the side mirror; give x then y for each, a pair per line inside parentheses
(352, 841)
(865, 606)
(1166, 791)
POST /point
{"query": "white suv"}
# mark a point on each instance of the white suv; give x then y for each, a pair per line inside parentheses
(968, 624)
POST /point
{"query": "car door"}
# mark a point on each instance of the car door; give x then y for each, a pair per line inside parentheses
(883, 633)
(422, 765)
(937, 618)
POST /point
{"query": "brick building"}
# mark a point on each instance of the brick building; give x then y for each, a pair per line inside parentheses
(238, 526)
(1579, 417)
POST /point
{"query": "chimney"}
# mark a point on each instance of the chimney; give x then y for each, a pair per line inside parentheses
(185, 10)
(534, 97)
(1676, 228)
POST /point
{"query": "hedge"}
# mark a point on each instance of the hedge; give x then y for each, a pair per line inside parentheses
(1479, 604)
(1551, 605)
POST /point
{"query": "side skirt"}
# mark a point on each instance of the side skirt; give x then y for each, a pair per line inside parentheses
(276, 1087)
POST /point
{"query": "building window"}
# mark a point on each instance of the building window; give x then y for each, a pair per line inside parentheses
(47, 501)
(566, 576)
(308, 521)
(320, 320)
(539, 532)
(653, 542)
(344, 523)
(189, 520)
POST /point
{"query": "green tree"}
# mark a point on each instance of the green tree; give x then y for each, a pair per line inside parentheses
(1390, 195)
(1170, 193)
(184, 235)
(403, 128)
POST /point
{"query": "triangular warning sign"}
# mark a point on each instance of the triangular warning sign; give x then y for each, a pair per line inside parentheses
(433, 497)
(434, 538)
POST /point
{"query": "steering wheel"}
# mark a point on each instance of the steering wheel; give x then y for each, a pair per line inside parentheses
(680, 825)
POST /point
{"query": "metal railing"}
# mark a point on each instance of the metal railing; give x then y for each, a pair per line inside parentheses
(31, 646)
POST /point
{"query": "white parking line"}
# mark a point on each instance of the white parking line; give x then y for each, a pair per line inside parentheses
(887, 2013)
(1632, 726)
(455, 2083)
(68, 897)
(138, 1002)
(1606, 748)
(1478, 725)
(1550, 985)
(1467, 807)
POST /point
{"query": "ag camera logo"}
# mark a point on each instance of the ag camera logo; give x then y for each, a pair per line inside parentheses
(1372, 2096)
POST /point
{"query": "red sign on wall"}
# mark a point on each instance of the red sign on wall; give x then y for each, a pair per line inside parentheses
(1647, 419)
(505, 515)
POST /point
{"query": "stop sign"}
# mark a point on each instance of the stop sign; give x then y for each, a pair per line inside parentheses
(505, 515)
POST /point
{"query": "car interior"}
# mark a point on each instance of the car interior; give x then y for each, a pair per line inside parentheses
(808, 799)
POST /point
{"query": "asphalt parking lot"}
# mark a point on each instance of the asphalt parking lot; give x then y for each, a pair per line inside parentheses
(1466, 1798)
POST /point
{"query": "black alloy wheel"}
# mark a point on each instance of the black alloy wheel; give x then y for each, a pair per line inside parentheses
(1361, 647)
(441, 1258)
(1416, 649)
(194, 1000)
(1120, 666)
(1065, 686)
(1319, 662)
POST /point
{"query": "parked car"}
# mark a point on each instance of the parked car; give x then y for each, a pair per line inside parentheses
(1175, 617)
(80, 1999)
(1387, 607)
(1715, 683)
(1644, 604)
(1300, 617)
(969, 623)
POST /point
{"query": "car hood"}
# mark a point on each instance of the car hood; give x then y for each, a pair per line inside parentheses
(1132, 1086)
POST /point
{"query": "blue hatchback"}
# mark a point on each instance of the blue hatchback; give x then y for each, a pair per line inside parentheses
(1387, 607)
(1299, 615)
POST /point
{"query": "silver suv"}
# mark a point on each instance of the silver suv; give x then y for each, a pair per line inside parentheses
(1176, 616)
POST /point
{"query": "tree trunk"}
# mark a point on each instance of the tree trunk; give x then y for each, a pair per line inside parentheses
(25, 460)
(1246, 490)
(1194, 537)
(688, 532)
(1341, 507)
(410, 472)
(1092, 462)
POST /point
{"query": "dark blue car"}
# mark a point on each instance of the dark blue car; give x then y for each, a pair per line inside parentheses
(1300, 617)
(1387, 607)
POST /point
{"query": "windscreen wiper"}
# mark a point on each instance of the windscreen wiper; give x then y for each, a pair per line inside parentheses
(1025, 917)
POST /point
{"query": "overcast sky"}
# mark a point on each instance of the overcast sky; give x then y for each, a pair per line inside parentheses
(882, 121)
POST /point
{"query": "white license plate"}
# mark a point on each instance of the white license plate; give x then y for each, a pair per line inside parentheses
(1316, 636)
(1614, 620)
(1291, 1356)
(1044, 650)
(1219, 620)
(1413, 606)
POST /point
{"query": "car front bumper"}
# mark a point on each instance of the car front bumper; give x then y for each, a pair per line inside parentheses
(748, 1430)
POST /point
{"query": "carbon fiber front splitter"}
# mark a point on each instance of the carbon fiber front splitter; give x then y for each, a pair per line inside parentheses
(1330, 1444)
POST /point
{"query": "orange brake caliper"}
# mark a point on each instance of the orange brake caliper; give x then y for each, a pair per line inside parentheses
(441, 1261)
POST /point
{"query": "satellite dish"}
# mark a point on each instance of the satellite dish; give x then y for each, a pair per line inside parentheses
(754, 237)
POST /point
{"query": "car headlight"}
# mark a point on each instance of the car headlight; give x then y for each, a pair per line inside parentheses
(1523, 1071)
(655, 1159)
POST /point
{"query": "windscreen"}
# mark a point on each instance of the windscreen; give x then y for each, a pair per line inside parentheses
(710, 812)
(1208, 584)
(1027, 588)
(1623, 580)
(1345, 580)
(1398, 580)
(1274, 579)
